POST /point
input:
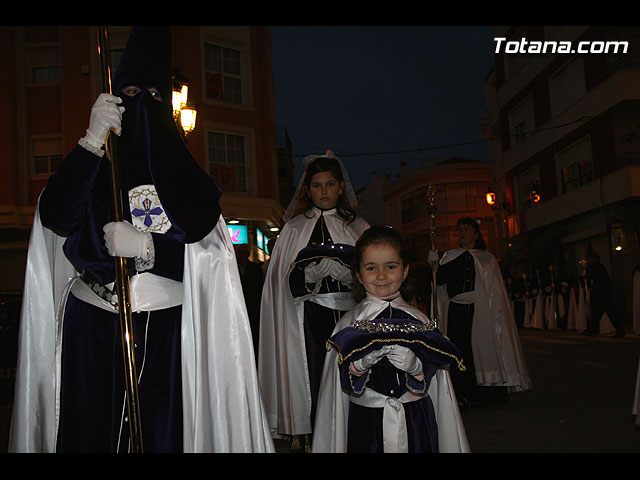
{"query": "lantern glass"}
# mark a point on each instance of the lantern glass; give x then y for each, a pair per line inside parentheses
(188, 119)
(179, 99)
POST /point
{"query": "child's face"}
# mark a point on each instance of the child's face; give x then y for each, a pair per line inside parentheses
(381, 270)
(325, 190)
(467, 236)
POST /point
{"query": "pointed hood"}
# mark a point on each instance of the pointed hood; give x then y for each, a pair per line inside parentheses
(150, 148)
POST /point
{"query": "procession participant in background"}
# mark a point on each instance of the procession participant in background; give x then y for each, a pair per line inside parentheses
(529, 303)
(572, 315)
(306, 291)
(517, 292)
(197, 380)
(251, 276)
(477, 317)
(563, 303)
(385, 386)
(601, 299)
(550, 301)
(537, 321)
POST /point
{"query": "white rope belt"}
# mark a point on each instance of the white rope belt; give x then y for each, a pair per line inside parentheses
(335, 300)
(465, 297)
(148, 292)
(394, 423)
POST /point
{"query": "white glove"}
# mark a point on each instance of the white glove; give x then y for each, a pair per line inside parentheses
(124, 240)
(317, 271)
(340, 272)
(404, 359)
(370, 359)
(105, 115)
(325, 268)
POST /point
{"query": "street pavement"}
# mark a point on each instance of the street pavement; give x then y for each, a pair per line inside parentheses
(581, 401)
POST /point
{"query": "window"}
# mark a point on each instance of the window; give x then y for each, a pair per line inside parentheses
(567, 86)
(223, 73)
(44, 64)
(524, 184)
(575, 166)
(514, 62)
(47, 156)
(414, 207)
(521, 120)
(227, 161)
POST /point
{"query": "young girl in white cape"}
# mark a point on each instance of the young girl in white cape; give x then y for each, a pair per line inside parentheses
(307, 289)
(385, 385)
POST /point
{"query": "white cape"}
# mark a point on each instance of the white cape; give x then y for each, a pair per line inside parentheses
(330, 431)
(281, 355)
(497, 352)
(222, 406)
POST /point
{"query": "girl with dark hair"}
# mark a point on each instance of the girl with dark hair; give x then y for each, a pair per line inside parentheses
(329, 169)
(469, 234)
(307, 289)
(483, 330)
(381, 236)
(386, 352)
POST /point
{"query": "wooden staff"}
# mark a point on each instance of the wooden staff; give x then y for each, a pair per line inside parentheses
(122, 278)
(432, 209)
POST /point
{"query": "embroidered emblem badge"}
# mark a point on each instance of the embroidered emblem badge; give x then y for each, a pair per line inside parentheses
(147, 213)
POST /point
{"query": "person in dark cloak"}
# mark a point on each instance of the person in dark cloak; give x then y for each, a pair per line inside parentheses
(459, 276)
(601, 297)
(171, 207)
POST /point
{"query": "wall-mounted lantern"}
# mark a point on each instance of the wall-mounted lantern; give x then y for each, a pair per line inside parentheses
(183, 113)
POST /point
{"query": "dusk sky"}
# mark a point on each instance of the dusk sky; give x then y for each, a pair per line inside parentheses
(371, 89)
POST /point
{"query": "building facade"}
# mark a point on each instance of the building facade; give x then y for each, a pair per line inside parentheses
(563, 113)
(52, 79)
(460, 188)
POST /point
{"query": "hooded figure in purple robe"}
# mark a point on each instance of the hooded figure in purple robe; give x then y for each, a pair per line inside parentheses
(172, 237)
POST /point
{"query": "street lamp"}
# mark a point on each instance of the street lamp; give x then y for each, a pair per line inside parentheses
(183, 113)
(534, 194)
(618, 238)
(491, 197)
(491, 201)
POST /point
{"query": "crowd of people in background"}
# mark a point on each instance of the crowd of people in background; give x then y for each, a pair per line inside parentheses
(584, 304)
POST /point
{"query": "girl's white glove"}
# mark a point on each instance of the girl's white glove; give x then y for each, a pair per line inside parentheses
(404, 359)
(370, 359)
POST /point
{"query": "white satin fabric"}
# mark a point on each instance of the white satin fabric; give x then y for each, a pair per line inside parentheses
(222, 404)
(222, 408)
(497, 352)
(35, 404)
(332, 415)
(538, 313)
(148, 293)
(584, 311)
(282, 360)
(394, 422)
